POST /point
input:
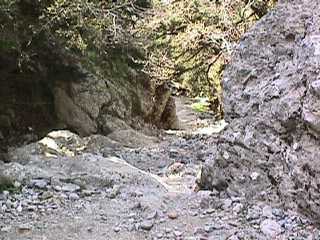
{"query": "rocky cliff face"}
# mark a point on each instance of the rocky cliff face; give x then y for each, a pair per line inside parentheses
(65, 93)
(50, 81)
(271, 149)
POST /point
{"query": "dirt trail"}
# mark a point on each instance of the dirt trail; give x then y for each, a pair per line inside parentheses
(95, 188)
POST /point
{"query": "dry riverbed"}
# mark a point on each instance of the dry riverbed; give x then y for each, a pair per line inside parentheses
(132, 186)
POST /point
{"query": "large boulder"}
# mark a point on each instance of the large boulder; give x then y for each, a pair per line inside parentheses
(65, 157)
(271, 149)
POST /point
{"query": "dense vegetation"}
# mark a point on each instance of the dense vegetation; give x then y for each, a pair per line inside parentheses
(192, 41)
(85, 29)
(187, 42)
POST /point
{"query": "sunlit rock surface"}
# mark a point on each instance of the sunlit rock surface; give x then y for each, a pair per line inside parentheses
(272, 106)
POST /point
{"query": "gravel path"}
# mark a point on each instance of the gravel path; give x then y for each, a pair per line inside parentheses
(95, 188)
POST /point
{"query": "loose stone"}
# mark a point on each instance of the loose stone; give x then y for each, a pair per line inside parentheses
(173, 214)
(270, 228)
(146, 225)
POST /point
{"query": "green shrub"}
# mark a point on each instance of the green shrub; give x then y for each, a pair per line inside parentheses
(87, 29)
(191, 40)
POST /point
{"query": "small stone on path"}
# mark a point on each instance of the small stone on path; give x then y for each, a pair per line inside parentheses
(270, 228)
(70, 187)
(152, 215)
(267, 212)
(177, 233)
(146, 225)
(74, 196)
(39, 183)
(173, 214)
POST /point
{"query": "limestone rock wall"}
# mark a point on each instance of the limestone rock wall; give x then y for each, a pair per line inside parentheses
(271, 149)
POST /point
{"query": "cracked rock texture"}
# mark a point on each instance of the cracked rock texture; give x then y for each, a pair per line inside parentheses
(271, 148)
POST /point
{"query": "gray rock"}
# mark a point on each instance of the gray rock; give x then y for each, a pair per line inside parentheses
(69, 112)
(70, 187)
(204, 194)
(57, 188)
(227, 204)
(162, 220)
(208, 228)
(193, 213)
(159, 235)
(287, 224)
(238, 207)
(114, 192)
(152, 215)
(17, 184)
(254, 213)
(270, 228)
(146, 225)
(210, 211)
(88, 193)
(9, 203)
(39, 183)
(131, 227)
(177, 233)
(233, 237)
(173, 214)
(271, 100)
(19, 208)
(199, 231)
(73, 196)
(5, 194)
(267, 211)
(278, 212)
(5, 229)
(3, 208)
(315, 86)
(31, 208)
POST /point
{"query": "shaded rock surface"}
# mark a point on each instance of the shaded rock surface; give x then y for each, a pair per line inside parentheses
(69, 94)
(271, 100)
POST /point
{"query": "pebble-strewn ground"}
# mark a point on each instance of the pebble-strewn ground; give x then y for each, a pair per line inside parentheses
(78, 191)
